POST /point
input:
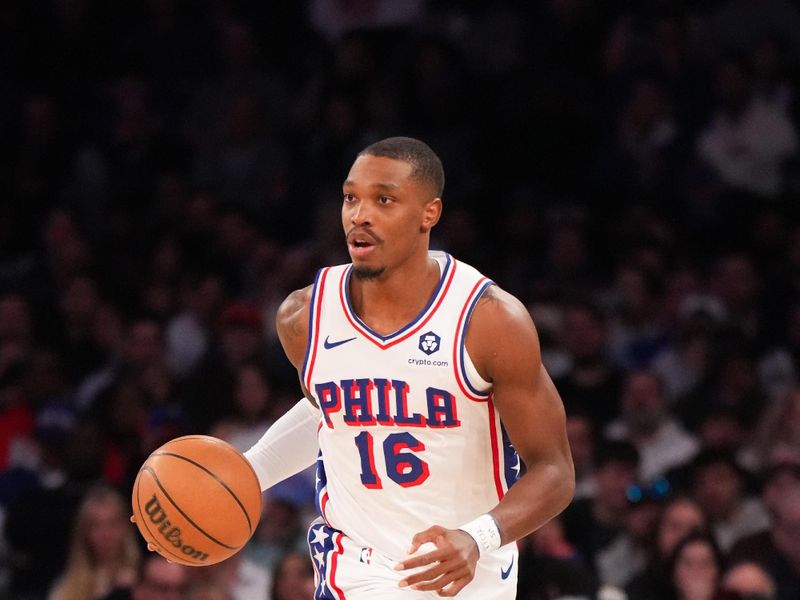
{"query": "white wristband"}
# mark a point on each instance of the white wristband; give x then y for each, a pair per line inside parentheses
(485, 532)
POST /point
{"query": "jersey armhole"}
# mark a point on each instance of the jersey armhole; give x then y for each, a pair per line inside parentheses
(473, 379)
(314, 315)
(472, 384)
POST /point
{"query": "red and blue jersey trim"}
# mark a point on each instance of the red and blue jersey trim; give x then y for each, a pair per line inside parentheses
(469, 390)
(386, 341)
(314, 313)
(506, 463)
(496, 451)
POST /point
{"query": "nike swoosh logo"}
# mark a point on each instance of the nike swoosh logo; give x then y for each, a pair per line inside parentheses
(328, 345)
(504, 573)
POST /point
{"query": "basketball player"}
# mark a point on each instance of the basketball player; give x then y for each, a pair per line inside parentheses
(423, 381)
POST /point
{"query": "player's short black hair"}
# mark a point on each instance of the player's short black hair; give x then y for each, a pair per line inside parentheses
(427, 167)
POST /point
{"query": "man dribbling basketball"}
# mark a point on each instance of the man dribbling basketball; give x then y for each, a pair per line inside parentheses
(425, 380)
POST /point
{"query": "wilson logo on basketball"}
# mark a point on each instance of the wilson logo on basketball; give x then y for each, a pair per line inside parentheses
(170, 533)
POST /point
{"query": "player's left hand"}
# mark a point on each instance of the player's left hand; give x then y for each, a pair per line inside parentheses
(453, 562)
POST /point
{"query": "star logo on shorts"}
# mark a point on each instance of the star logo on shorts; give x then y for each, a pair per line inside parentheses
(320, 535)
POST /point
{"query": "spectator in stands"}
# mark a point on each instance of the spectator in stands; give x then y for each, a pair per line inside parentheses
(778, 549)
(142, 351)
(104, 553)
(157, 579)
(777, 369)
(778, 435)
(235, 578)
(695, 568)
(646, 422)
(644, 152)
(282, 529)
(582, 438)
(749, 581)
(637, 332)
(564, 272)
(253, 409)
(627, 555)
(188, 333)
(722, 430)
(293, 578)
(593, 523)
(747, 142)
(683, 365)
(240, 340)
(79, 303)
(680, 516)
(17, 413)
(779, 479)
(551, 566)
(720, 486)
(731, 386)
(592, 384)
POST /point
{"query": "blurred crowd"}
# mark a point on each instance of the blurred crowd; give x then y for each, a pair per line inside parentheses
(171, 169)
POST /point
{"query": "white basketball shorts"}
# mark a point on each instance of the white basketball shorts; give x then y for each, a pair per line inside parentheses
(345, 570)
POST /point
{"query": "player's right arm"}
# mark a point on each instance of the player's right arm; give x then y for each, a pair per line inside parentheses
(290, 444)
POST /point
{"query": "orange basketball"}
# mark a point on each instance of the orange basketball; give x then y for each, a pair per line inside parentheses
(197, 500)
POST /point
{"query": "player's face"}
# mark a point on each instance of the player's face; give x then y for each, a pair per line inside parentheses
(386, 214)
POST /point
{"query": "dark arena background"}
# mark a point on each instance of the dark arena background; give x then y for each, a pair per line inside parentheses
(171, 169)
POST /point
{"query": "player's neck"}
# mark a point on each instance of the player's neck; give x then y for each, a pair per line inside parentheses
(391, 301)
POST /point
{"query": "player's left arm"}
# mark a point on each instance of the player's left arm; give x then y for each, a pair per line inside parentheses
(504, 347)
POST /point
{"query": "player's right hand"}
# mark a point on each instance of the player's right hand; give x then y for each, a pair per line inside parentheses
(452, 564)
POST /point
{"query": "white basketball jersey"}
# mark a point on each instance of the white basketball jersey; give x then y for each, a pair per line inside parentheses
(409, 436)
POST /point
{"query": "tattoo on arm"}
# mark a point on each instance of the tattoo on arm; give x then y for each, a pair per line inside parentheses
(490, 295)
(292, 321)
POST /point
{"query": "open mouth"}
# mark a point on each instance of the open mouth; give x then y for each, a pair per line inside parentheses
(360, 245)
(361, 242)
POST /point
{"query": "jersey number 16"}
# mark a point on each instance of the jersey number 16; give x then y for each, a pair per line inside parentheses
(404, 468)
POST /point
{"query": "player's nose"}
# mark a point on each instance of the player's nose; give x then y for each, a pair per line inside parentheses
(360, 214)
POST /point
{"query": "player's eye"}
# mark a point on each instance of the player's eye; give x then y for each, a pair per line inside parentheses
(348, 197)
(385, 200)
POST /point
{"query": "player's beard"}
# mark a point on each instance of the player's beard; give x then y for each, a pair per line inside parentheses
(368, 273)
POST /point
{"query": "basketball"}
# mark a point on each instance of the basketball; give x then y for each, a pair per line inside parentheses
(197, 500)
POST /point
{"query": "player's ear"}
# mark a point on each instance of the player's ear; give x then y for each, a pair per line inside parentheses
(431, 214)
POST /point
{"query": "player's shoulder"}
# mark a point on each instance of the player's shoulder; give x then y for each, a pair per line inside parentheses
(294, 308)
(501, 334)
(291, 323)
(497, 306)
